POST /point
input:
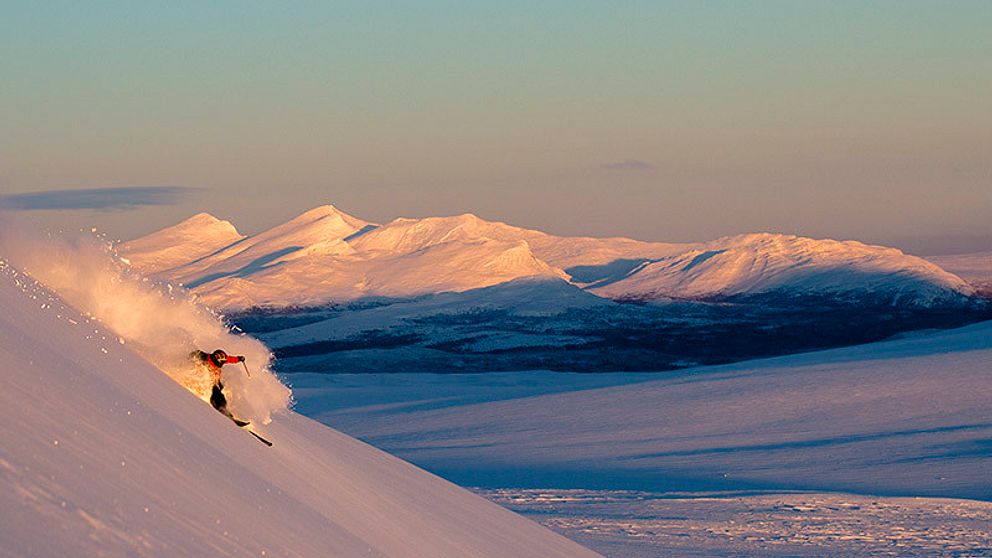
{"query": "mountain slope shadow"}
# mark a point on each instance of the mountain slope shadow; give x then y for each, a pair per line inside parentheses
(256, 265)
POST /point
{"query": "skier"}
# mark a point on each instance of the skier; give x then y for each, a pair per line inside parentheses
(213, 363)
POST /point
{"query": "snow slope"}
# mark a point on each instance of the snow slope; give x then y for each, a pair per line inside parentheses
(326, 255)
(105, 455)
(903, 417)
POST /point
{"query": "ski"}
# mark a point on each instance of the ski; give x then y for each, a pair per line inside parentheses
(261, 439)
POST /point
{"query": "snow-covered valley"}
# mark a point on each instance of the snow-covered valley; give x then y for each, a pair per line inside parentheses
(880, 449)
(555, 326)
(902, 417)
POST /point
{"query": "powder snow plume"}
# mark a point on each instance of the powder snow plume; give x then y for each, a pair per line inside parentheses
(162, 323)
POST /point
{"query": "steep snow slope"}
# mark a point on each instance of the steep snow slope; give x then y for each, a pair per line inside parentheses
(194, 238)
(761, 263)
(325, 255)
(104, 455)
(903, 417)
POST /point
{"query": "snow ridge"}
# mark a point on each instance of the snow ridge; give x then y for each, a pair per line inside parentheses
(761, 263)
(326, 255)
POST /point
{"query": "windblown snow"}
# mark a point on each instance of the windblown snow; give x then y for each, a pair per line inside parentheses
(326, 255)
(103, 454)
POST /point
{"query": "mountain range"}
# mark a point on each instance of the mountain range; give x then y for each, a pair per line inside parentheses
(326, 255)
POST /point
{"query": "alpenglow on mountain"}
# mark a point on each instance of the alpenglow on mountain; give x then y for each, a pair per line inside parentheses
(326, 255)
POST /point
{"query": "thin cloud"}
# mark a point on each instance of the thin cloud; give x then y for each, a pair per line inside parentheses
(126, 198)
(629, 165)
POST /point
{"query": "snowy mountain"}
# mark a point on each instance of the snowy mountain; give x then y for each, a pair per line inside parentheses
(976, 268)
(761, 263)
(104, 454)
(194, 238)
(326, 255)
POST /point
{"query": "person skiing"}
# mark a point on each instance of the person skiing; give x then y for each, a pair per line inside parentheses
(213, 362)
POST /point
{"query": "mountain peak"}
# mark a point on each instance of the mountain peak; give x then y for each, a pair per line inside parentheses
(202, 223)
(198, 236)
(329, 211)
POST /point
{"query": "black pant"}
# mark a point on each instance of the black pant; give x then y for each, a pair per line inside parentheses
(218, 400)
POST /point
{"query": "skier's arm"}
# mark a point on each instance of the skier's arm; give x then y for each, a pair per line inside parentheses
(234, 359)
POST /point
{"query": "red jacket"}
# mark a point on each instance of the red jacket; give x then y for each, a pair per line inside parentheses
(214, 366)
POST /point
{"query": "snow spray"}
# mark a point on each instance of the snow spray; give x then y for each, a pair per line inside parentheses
(161, 322)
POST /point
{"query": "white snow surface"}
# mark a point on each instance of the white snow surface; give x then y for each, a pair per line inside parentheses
(757, 458)
(906, 417)
(624, 524)
(326, 255)
(104, 455)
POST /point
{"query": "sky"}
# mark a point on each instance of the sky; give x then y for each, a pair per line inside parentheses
(658, 120)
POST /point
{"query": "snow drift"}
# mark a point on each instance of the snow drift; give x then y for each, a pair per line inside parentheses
(103, 455)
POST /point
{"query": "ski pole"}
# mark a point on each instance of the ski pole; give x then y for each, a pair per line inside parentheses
(246, 368)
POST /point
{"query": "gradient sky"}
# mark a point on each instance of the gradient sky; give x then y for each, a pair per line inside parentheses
(659, 120)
